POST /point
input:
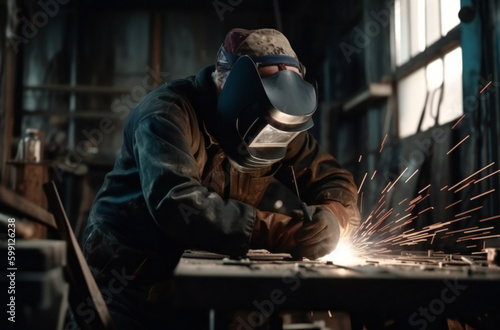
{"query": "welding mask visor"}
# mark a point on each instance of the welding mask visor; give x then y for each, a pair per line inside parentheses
(258, 117)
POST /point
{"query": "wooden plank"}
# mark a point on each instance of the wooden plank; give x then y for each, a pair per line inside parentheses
(26, 207)
(8, 126)
(81, 89)
(83, 285)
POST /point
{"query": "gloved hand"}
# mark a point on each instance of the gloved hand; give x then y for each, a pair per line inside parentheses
(318, 237)
(274, 231)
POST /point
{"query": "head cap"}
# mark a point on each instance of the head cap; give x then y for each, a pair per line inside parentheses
(265, 47)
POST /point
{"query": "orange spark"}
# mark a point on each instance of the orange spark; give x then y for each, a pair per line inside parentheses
(470, 176)
(483, 237)
(424, 188)
(362, 182)
(452, 204)
(397, 179)
(382, 146)
(457, 231)
(375, 172)
(482, 90)
(459, 143)
(429, 208)
(411, 176)
(471, 231)
(492, 190)
(491, 218)
(464, 186)
(406, 216)
(477, 208)
(383, 191)
(487, 176)
(458, 122)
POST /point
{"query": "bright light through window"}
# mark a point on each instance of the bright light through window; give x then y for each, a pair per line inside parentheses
(420, 23)
(436, 87)
(449, 15)
(425, 84)
(434, 74)
(452, 104)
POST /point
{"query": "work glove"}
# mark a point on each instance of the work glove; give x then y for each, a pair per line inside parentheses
(318, 237)
(274, 231)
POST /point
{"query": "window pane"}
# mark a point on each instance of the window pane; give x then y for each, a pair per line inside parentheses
(417, 29)
(434, 75)
(452, 105)
(449, 15)
(402, 31)
(433, 24)
(411, 97)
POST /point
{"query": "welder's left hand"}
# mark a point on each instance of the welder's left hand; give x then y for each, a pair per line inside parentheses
(318, 237)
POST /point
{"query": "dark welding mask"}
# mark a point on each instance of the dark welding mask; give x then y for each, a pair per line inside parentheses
(258, 117)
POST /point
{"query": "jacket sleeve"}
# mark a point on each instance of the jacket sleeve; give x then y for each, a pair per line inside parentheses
(184, 209)
(321, 180)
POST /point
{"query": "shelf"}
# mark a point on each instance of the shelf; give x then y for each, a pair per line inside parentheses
(75, 114)
(374, 91)
(80, 89)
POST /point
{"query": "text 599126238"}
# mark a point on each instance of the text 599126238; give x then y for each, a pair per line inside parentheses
(11, 269)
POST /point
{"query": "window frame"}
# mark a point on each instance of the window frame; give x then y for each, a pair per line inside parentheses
(436, 50)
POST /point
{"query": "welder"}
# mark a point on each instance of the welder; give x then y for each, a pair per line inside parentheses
(196, 159)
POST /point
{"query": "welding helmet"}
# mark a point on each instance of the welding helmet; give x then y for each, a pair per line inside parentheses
(259, 117)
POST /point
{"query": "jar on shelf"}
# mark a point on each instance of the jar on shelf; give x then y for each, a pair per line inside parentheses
(32, 146)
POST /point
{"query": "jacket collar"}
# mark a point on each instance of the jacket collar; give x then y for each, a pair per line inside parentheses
(206, 101)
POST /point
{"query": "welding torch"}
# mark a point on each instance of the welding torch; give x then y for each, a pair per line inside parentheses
(303, 206)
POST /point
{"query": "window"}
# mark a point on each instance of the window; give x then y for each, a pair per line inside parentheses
(428, 60)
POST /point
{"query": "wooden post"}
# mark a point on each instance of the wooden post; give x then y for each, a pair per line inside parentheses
(8, 128)
(29, 180)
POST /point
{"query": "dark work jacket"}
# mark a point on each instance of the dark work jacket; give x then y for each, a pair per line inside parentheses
(168, 191)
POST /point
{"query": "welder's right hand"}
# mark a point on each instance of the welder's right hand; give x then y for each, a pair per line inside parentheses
(318, 237)
(274, 231)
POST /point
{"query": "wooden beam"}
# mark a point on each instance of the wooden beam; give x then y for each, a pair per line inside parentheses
(26, 207)
(8, 127)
